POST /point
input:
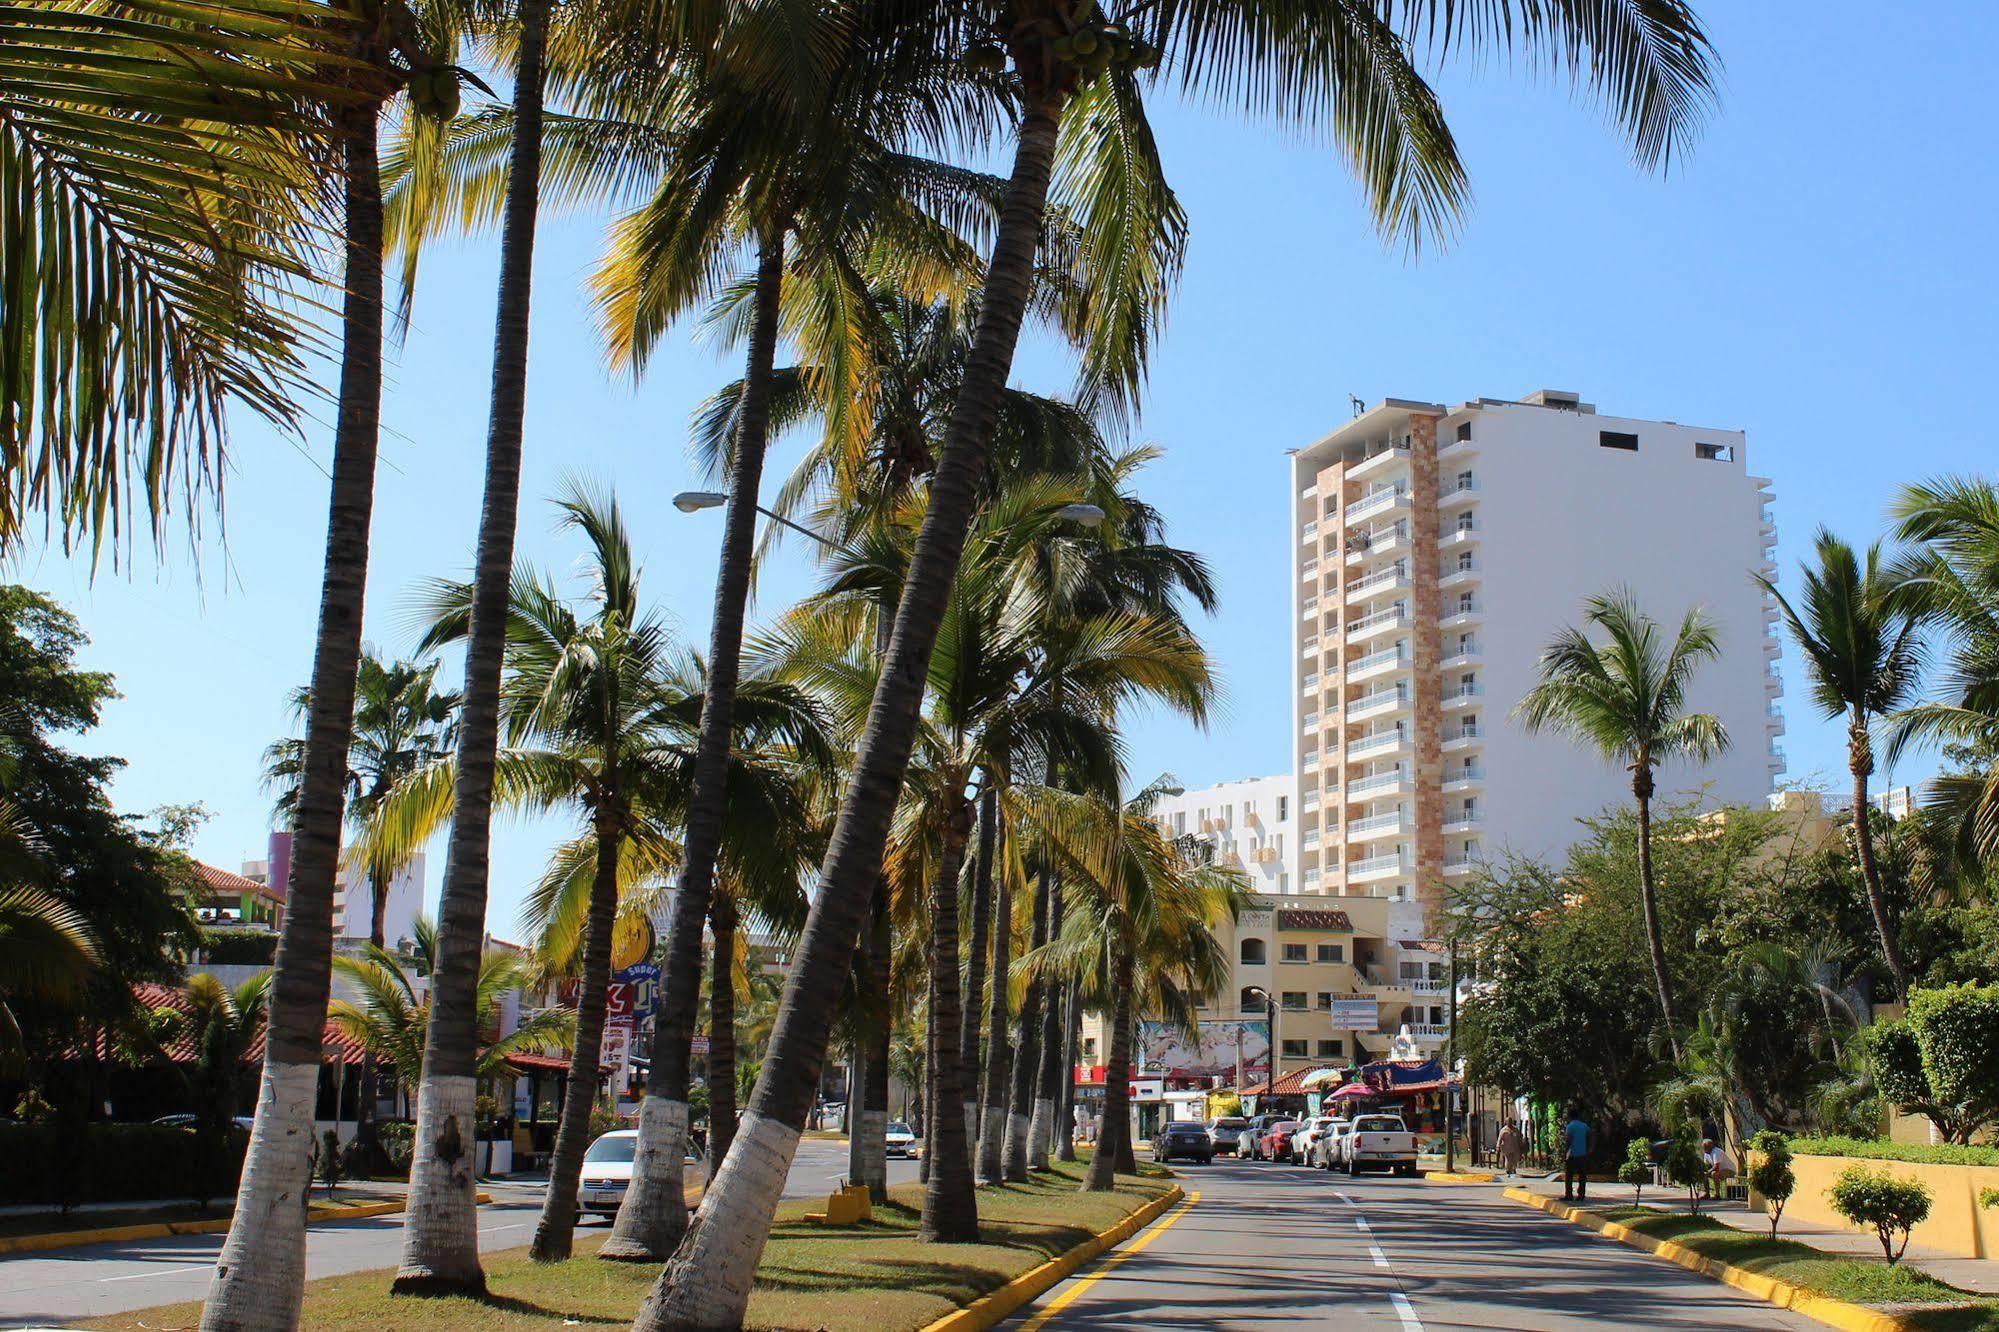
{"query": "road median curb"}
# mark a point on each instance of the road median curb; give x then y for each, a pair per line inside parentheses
(1456, 1177)
(150, 1230)
(989, 1309)
(1820, 1308)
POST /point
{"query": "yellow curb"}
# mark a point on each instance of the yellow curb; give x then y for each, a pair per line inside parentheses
(988, 1310)
(1456, 1177)
(1819, 1308)
(69, 1239)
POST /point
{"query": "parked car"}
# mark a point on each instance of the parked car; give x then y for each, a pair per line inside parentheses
(187, 1121)
(1307, 1137)
(901, 1139)
(1379, 1142)
(1226, 1133)
(1250, 1145)
(607, 1172)
(1275, 1145)
(1326, 1143)
(1184, 1138)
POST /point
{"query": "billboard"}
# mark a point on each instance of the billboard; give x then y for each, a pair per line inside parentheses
(1223, 1047)
(1355, 1015)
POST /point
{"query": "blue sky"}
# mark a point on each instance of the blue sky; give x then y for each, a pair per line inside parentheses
(1818, 272)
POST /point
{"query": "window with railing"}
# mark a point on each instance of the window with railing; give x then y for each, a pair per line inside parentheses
(1294, 952)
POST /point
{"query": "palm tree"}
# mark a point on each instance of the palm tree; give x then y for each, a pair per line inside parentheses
(440, 1231)
(218, 1025)
(156, 224)
(1953, 580)
(401, 722)
(259, 1278)
(393, 1018)
(1627, 700)
(1344, 70)
(1859, 638)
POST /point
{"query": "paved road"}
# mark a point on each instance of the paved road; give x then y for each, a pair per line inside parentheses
(1270, 1247)
(47, 1289)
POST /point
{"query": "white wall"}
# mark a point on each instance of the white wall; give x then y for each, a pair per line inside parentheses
(1564, 518)
(405, 903)
(1229, 807)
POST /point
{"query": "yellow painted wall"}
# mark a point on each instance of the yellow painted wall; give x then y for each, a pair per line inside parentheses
(1957, 1224)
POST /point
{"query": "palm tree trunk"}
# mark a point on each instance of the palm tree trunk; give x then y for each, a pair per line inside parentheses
(653, 1216)
(970, 1045)
(874, 1117)
(1648, 898)
(1114, 1139)
(708, 1282)
(440, 1231)
(929, 1090)
(1065, 1110)
(1860, 755)
(722, 1032)
(1027, 1052)
(999, 1044)
(556, 1230)
(365, 1137)
(950, 1204)
(260, 1276)
(1048, 1076)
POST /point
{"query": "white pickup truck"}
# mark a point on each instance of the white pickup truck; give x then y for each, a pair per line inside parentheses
(1378, 1142)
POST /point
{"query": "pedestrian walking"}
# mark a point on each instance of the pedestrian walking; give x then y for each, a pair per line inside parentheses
(1575, 1161)
(1511, 1148)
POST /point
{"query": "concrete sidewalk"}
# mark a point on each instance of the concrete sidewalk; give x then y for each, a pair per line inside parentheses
(1980, 1275)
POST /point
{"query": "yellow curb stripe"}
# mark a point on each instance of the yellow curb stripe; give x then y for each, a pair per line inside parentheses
(1457, 1177)
(68, 1239)
(1819, 1308)
(1068, 1296)
(989, 1310)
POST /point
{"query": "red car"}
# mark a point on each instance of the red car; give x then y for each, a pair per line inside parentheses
(1275, 1144)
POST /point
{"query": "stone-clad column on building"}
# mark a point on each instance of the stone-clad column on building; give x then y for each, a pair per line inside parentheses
(1426, 650)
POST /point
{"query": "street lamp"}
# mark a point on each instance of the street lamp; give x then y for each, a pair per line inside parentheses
(1270, 1016)
(1088, 515)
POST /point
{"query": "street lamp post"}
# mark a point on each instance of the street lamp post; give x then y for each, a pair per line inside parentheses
(1270, 1016)
(1450, 1066)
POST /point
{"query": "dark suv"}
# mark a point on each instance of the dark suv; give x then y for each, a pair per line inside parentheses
(1186, 1139)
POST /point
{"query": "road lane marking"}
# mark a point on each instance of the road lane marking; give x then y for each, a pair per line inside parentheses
(1360, 1223)
(1380, 1258)
(143, 1276)
(1406, 1313)
(1069, 1296)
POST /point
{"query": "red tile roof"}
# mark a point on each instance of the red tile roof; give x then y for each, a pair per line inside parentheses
(224, 884)
(335, 1047)
(1314, 920)
(1289, 1084)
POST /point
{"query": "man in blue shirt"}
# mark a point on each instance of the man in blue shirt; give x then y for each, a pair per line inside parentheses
(1575, 1161)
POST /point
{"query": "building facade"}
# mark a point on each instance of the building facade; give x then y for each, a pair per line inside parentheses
(352, 895)
(1436, 551)
(1248, 824)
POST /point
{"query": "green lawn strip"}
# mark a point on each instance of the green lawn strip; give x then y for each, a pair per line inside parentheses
(872, 1277)
(1856, 1280)
(145, 1214)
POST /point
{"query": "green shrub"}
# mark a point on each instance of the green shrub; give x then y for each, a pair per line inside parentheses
(1892, 1206)
(330, 1161)
(1637, 1167)
(238, 948)
(60, 1165)
(1875, 1149)
(398, 1139)
(1772, 1175)
(1988, 1197)
(1685, 1168)
(1942, 1060)
(603, 1119)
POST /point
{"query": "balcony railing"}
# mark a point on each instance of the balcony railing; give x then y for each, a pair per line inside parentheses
(1374, 865)
(1457, 490)
(1310, 760)
(1473, 773)
(1367, 786)
(1309, 607)
(1462, 735)
(1310, 802)
(1388, 619)
(1311, 682)
(1309, 530)
(1379, 501)
(1311, 720)
(1462, 694)
(1463, 820)
(1462, 651)
(1385, 657)
(1374, 824)
(1377, 702)
(1384, 580)
(1460, 866)
(1308, 568)
(1360, 543)
(1380, 742)
(1309, 646)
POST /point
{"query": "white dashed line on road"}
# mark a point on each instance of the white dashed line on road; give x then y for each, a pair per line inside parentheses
(148, 1276)
(1380, 1258)
(1360, 1223)
(1410, 1322)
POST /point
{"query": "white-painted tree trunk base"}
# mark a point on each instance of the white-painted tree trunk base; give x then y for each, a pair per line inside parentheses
(992, 1145)
(1041, 1134)
(1014, 1159)
(874, 1152)
(653, 1216)
(707, 1283)
(260, 1276)
(441, 1227)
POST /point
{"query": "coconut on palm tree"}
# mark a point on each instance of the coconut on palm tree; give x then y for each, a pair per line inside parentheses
(1859, 637)
(1626, 698)
(1345, 71)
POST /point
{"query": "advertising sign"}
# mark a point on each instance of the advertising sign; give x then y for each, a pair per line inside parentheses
(1223, 1047)
(633, 992)
(1355, 1015)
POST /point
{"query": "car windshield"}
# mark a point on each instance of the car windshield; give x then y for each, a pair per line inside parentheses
(1378, 1124)
(1185, 1128)
(1283, 1124)
(612, 1150)
(897, 1126)
(1231, 1123)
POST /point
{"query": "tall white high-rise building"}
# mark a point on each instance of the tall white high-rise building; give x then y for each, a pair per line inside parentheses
(1436, 551)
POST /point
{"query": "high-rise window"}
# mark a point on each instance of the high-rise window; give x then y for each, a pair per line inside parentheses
(1283, 808)
(1331, 953)
(1715, 452)
(1465, 521)
(1331, 1049)
(1618, 439)
(1294, 952)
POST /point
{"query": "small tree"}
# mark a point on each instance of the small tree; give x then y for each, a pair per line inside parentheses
(1685, 1168)
(1891, 1205)
(1637, 1167)
(1942, 1061)
(1989, 1198)
(1771, 1175)
(332, 1161)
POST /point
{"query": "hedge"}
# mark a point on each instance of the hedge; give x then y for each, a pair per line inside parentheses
(247, 948)
(1942, 1153)
(58, 1165)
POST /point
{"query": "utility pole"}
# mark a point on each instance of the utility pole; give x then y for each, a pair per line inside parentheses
(1450, 1070)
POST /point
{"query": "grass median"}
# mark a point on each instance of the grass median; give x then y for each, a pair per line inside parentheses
(83, 1219)
(1919, 1300)
(872, 1277)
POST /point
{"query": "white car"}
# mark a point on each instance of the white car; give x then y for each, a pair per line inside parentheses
(1307, 1137)
(1379, 1142)
(1325, 1147)
(901, 1139)
(607, 1172)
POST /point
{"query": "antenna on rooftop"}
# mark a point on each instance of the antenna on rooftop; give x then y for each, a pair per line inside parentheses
(1359, 407)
